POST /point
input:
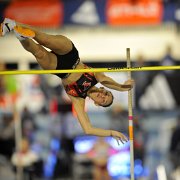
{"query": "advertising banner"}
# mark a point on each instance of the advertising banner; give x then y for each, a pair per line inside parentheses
(36, 13)
(56, 13)
(169, 12)
(80, 12)
(139, 12)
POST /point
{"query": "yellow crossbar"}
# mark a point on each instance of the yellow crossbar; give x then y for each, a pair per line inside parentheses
(116, 69)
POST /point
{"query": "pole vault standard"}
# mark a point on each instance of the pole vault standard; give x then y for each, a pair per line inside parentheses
(130, 115)
(115, 69)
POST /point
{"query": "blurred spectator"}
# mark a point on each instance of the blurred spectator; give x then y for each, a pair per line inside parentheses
(7, 135)
(141, 79)
(8, 89)
(25, 158)
(28, 125)
(99, 156)
(52, 90)
(175, 146)
(67, 141)
(168, 60)
(67, 124)
(2, 85)
(53, 105)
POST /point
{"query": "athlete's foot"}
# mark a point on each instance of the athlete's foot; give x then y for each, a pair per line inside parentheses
(23, 33)
(7, 26)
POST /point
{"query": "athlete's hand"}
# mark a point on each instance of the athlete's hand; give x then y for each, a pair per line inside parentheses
(129, 84)
(119, 137)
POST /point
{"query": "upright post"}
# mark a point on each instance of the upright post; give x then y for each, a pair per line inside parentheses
(18, 137)
(130, 114)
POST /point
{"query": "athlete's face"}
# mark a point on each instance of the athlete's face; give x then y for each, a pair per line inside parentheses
(102, 97)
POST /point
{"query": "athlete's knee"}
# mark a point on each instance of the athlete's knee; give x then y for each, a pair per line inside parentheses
(53, 40)
(45, 41)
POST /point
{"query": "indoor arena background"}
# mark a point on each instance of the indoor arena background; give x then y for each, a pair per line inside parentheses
(101, 31)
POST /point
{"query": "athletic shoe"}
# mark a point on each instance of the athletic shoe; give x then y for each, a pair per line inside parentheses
(23, 33)
(7, 26)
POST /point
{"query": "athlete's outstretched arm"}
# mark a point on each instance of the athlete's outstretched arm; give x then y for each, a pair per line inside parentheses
(110, 83)
(83, 119)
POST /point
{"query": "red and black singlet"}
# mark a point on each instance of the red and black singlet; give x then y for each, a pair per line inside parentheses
(81, 86)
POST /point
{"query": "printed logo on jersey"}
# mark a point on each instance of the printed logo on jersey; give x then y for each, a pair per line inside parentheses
(86, 85)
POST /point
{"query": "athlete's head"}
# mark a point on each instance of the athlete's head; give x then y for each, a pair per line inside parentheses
(102, 97)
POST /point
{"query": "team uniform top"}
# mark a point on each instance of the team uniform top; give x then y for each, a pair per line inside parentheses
(81, 86)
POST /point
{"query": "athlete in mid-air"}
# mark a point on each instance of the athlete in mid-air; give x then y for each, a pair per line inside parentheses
(64, 55)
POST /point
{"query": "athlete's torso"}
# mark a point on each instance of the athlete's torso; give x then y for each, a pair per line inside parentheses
(80, 87)
(73, 76)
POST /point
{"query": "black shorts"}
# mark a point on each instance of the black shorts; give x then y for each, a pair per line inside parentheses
(67, 61)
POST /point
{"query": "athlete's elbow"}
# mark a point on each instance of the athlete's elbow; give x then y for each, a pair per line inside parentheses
(88, 130)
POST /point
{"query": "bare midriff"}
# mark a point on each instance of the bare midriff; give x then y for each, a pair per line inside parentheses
(74, 76)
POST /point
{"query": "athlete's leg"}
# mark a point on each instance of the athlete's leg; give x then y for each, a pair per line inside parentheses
(44, 58)
(57, 43)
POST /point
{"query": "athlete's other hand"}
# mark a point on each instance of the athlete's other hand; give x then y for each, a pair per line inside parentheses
(119, 137)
